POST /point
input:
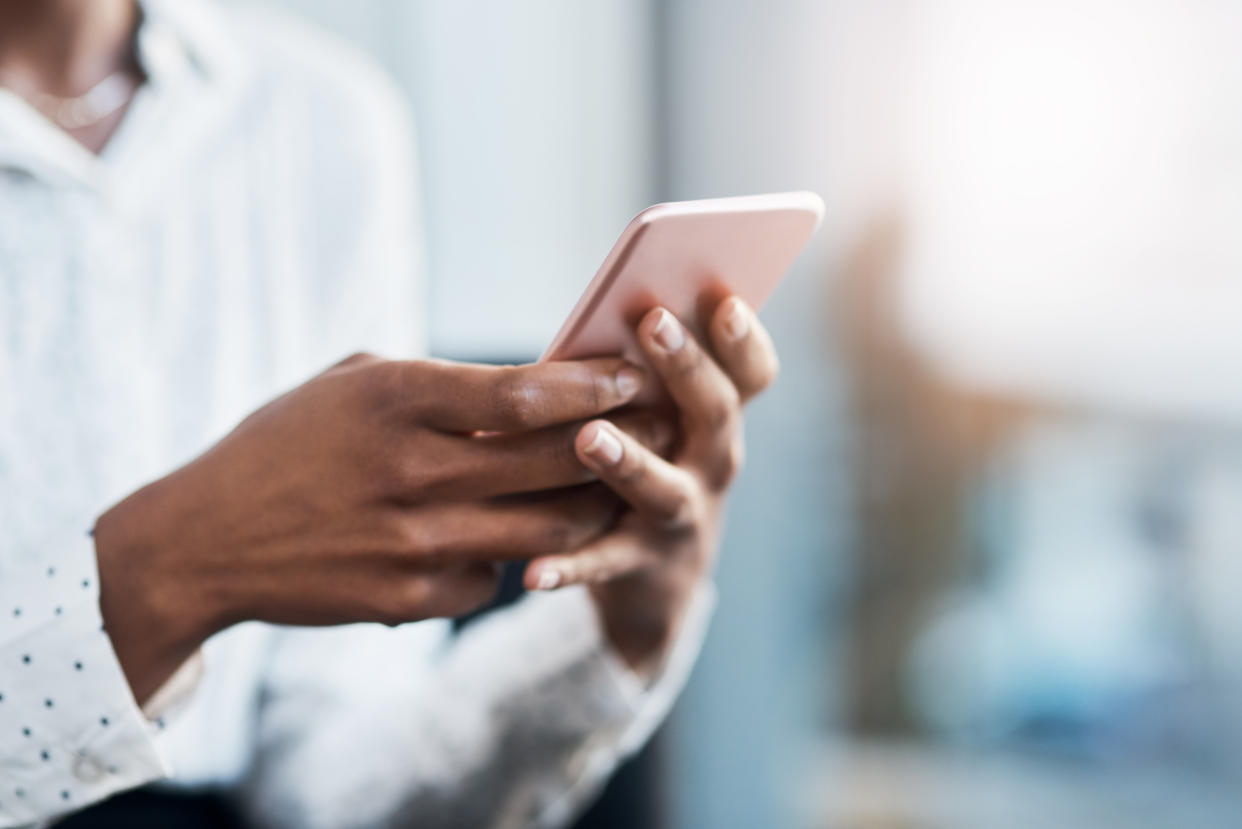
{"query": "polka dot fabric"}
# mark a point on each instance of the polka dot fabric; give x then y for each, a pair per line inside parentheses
(70, 730)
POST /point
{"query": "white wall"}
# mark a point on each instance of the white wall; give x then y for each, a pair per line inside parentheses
(536, 147)
(1075, 199)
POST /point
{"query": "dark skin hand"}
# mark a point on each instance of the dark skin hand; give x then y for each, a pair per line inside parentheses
(643, 573)
(365, 494)
(305, 498)
(369, 494)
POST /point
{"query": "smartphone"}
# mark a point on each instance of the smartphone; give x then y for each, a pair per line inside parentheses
(687, 257)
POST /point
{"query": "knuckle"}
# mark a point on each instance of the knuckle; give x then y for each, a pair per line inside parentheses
(720, 412)
(599, 392)
(384, 384)
(394, 474)
(766, 374)
(678, 508)
(664, 437)
(412, 539)
(358, 358)
(729, 464)
(514, 398)
(405, 601)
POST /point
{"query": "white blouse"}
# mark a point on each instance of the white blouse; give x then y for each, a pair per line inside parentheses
(251, 222)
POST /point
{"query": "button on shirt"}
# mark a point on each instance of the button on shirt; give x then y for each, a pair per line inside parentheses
(251, 222)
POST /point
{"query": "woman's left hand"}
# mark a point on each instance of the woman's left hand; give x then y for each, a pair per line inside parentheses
(644, 572)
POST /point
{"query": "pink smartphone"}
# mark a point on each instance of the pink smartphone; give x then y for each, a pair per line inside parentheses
(687, 256)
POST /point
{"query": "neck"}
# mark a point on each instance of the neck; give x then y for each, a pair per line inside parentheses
(64, 47)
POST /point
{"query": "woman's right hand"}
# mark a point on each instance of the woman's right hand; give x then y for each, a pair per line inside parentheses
(377, 491)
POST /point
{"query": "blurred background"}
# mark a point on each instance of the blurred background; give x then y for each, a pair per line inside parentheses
(981, 569)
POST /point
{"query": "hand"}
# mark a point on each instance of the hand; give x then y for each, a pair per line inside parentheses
(365, 494)
(642, 574)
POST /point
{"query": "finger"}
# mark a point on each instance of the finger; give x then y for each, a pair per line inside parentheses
(708, 401)
(654, 430)
(355, 360)
(613, 556)
(457, 397)
(475, 467)
(743, 348)
(505, 529)
(651, 485)
(443, 592)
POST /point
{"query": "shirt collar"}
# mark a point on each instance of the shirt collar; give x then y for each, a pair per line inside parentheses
(190, 62)
(188, 34)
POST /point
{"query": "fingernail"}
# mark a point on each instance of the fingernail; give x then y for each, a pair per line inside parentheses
(736, 322)
(548, 580)
(668, 334)
(628, 381)
(604, 447)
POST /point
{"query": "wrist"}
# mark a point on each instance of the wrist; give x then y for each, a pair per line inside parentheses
(154, 626)
(640, 616)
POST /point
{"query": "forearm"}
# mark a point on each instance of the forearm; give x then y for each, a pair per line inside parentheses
(641, 615)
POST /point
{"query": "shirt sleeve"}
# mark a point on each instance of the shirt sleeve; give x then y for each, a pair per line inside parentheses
(517, 722)
(71, 732)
